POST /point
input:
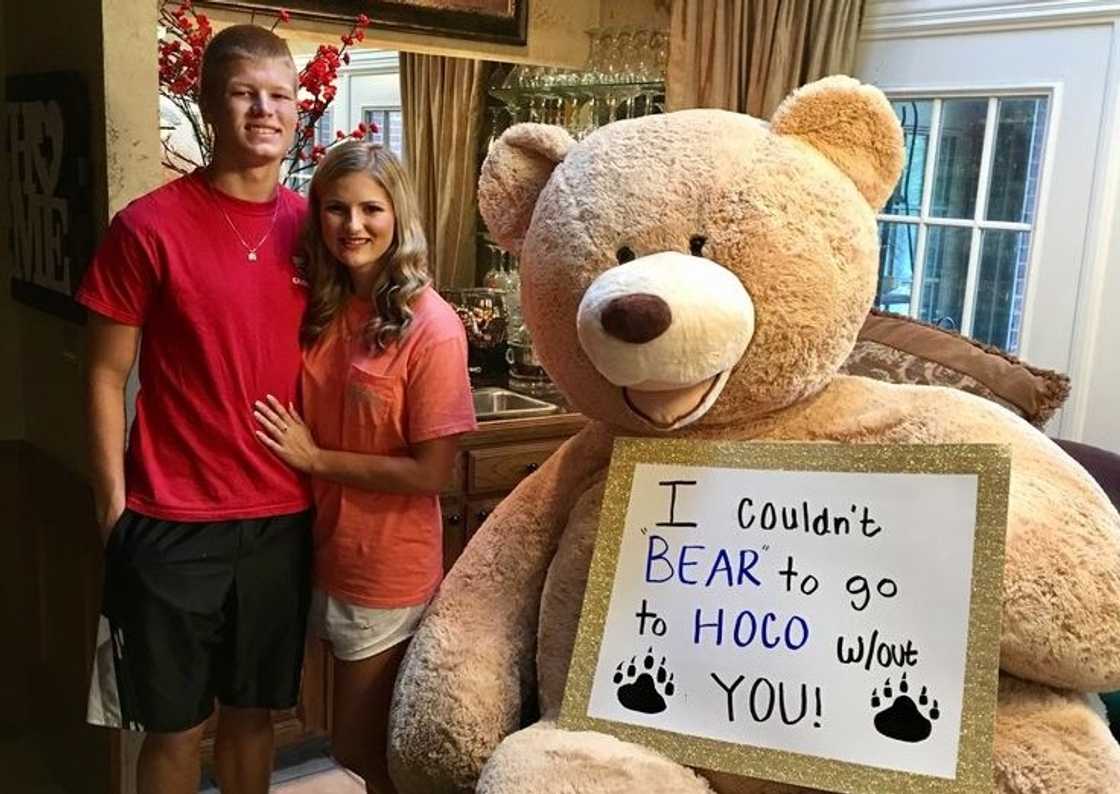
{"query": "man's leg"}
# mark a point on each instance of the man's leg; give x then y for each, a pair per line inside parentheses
(169, 763)
(243, 750)
(162, 614)
(258, 666)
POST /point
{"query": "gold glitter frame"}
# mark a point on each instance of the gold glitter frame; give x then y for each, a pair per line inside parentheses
(992, 465)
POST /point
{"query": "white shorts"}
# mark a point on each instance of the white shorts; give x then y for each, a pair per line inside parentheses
(356, 632)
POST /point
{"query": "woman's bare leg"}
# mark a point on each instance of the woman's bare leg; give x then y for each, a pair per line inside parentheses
(363, 691)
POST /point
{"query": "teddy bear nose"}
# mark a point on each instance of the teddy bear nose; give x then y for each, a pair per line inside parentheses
(636, 318)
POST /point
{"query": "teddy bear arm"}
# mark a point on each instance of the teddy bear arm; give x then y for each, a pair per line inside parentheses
(1061, 625)
(468, 675)
(1051, 741)
(1062, 573)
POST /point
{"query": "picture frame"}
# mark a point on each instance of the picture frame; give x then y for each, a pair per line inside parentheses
(498, 21)
(46, 122)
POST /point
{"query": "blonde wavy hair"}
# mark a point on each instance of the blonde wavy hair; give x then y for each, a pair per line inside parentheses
(405, 272)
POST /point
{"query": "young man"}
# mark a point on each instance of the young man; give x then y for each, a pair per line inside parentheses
(206, 532)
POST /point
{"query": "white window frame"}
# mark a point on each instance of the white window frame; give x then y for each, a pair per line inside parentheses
(923, 220)
(386, 111)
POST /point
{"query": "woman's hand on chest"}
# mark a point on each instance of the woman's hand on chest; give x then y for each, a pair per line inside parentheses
(285, 433)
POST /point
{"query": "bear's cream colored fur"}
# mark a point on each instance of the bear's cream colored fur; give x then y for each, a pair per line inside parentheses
(789, 208)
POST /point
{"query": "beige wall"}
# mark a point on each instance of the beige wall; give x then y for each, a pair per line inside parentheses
(131, 104)
(46, 356)
(650, 14)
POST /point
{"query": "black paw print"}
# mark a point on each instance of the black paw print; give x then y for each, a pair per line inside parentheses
(644, 688)
(902, 720)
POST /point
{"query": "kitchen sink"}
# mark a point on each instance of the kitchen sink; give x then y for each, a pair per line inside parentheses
(492, 402)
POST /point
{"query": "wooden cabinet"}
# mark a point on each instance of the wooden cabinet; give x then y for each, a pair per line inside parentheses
(477, 512)
(491, 462)
(501, 467)
(454, 513)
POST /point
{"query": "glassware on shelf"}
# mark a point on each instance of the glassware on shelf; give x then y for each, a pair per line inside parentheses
(484, 316)
(624, 79)
(502, 276)
(583, 122)
(660, 41)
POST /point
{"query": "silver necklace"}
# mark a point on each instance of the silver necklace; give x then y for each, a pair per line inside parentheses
(251, 250)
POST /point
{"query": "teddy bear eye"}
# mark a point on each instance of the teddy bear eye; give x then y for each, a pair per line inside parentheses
(696, 244)
(624, 254)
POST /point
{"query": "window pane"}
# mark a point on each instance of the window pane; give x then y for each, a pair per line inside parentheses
(944, 275)
(390, 132)
(914, 115)
(1000, 287)
(959, 149)
(372, 118)
(1020, 134)
(396, 134)
(897, 245)
(324, 129)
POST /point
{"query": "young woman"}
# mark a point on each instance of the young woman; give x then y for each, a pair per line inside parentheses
(385, 393)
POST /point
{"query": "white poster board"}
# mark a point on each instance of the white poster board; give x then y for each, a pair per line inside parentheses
(819, 614)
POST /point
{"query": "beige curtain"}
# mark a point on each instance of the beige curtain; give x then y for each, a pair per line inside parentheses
(443, 102)
(747, 55)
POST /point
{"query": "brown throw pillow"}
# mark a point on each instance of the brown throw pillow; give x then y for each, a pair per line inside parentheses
(900, 349)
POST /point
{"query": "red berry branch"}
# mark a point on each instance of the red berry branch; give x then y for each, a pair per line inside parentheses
(186, 34)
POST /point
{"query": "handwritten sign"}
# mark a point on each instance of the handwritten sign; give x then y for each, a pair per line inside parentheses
(46, 138)
(819, 614)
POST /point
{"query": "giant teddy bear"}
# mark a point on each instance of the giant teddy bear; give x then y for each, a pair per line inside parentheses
(703, 274)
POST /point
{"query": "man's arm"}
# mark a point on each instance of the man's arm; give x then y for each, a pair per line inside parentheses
(112, 349)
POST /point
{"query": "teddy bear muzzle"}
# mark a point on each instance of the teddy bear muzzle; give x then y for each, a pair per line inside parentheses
(666, 328)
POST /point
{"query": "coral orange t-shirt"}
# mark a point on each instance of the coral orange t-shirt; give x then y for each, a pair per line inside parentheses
(374, 548)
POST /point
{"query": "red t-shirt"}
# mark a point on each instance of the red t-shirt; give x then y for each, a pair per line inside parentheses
(374, 548)
(219, 331)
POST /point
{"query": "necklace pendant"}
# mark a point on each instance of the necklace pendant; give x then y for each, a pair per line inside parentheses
(252, 256)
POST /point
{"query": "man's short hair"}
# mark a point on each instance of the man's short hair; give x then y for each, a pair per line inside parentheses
(236, 43)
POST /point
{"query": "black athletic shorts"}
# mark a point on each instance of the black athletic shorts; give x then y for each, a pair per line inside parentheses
(194, 611)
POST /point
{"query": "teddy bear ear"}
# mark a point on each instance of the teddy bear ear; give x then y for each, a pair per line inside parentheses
(851, 124)
(514, 173)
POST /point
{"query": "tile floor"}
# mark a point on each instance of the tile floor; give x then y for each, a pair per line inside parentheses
(309, 770)
(334, 781)
(309, 778)
(27, 770)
